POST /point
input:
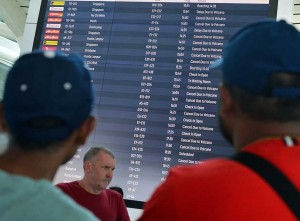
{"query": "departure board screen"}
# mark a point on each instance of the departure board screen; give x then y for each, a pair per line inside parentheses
(156, 97)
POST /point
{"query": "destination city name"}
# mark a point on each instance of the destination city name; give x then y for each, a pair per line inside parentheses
(90, 50)
(95, 27)
(68, 175)
(70, 168)
(92, 56)
(98, 10)
(91, 62)
(94, 39)
(91, 44)
(94, 32)
(98, 4)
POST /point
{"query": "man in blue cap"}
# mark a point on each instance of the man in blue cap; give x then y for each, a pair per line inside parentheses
(260, 115)
(46, 111)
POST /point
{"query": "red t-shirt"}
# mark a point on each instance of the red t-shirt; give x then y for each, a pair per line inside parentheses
(107, 206)
(221, 189)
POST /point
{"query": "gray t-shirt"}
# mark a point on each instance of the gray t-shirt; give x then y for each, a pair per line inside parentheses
(25, 199)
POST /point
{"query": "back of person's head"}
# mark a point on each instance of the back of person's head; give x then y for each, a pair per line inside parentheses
(261, 67)
(47, 96)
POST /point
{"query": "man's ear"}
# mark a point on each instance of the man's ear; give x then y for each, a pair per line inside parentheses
(3, 124)
(226, 101)
(85, 130)
(87, 166)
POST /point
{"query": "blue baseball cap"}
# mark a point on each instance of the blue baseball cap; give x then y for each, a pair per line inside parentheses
(256, 52)
(47, 96)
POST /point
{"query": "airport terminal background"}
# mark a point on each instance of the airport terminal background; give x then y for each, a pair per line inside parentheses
(127, 127)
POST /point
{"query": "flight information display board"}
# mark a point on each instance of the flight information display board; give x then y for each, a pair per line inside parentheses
(156, 97)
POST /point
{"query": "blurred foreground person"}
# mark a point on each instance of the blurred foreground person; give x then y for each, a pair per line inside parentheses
(260, 115)
(91, 192)
(46, 112)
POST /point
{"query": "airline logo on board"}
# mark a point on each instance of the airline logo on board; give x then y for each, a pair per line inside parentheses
(53, 25)
(54, 19)
(56, 9)
(55, 14)
(52, 48)
(50, 43)
(51, 37)
(57, 3)
(52, 31)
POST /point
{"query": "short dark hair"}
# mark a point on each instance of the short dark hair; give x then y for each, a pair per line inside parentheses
(30, 145)
(93, 151)
(268, 108)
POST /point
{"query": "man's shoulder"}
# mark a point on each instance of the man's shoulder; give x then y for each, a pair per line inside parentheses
(66, 185)
(35, 200)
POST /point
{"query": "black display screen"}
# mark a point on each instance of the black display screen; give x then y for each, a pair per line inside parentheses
(156, 97)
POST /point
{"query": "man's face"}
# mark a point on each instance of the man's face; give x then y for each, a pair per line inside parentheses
(101, 171)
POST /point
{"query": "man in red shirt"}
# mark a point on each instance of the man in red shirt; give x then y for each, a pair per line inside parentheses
(260, 115)
(91, 192)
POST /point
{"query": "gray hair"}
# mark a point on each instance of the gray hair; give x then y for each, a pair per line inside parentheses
(93, 151)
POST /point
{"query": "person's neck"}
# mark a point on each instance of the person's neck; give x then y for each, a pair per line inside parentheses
(87, 187)
(36, 165)
(252, 131)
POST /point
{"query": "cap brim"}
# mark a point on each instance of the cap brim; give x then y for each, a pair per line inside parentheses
(217, 64)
